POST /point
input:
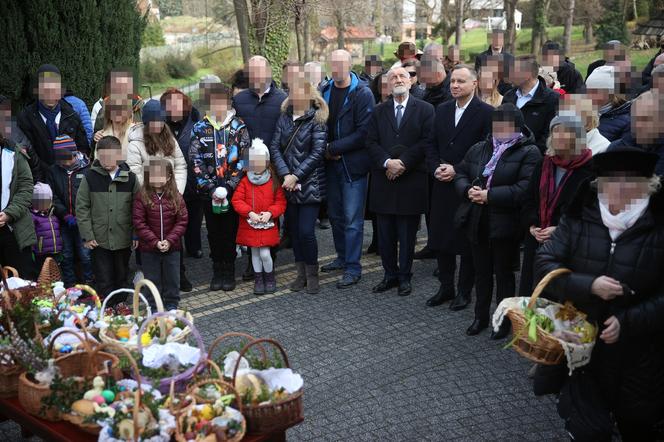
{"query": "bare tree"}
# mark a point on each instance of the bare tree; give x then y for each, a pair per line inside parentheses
(242, 17)
(510, 33)
(444, 27)
(569, 21)
(459, 22)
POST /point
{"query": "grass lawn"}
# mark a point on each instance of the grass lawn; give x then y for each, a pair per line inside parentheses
(158, 88)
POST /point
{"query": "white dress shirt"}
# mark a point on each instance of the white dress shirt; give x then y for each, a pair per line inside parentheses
(521, 99)
(458, 111)
(403, 112)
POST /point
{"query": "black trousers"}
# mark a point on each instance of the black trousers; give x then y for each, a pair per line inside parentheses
(110, 268)
(396, 230)
(192, 236)
(493, 257)
(526, 281)
(222, 233)
(11, 255)
(447, 264)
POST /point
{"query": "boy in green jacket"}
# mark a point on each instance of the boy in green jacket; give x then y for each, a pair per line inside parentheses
(103, 209)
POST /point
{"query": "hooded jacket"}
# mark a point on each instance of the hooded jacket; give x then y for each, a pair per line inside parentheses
(570, 78)
(258, 198)
(159, 221)
(16, 202)
(47, 229)
(351, 127)
(65, 184)
(304, 158)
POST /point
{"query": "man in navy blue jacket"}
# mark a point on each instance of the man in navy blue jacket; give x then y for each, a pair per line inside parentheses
(347, 166)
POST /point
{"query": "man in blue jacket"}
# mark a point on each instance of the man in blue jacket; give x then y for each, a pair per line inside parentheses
(347, 166)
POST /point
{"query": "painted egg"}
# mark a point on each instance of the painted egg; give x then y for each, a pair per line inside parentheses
(123, 339)
(146, 339)
(66, 349)
(99, 399)
(108, 396)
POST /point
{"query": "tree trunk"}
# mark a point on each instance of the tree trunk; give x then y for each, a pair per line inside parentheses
(307, 38)
(242, 17)
(567, 31)
(588, 31)
(299, 12)
(539, 26)
(341, 29)
(459, 22)
(378, 18)
(510, 7)
(445, 24)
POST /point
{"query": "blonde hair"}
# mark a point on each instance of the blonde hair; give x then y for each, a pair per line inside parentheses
(583, 105)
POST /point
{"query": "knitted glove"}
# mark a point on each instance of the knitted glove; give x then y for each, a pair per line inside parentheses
(70, 220)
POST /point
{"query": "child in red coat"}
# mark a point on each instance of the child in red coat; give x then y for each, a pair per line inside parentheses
(259, 201)
(160, 219)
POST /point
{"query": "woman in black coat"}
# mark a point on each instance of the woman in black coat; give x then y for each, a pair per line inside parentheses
(612, 238)
(565, 166)
(492, 180)
(297, 151)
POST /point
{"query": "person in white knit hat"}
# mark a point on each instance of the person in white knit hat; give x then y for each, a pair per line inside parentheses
(613, 107)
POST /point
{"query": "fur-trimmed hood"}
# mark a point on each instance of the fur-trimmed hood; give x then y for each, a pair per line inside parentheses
(319, 110)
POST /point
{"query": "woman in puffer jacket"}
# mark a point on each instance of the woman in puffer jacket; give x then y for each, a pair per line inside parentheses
(612, 238)
(297, 151)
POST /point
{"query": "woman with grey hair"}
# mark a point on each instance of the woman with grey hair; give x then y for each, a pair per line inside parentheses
(584, 107)
(612, 240)
(555, 181)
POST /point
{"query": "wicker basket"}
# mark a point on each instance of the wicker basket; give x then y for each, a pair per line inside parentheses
(215, 373)
(182, 415)
(30, 396)
(9, 374)
(546, 350)
(50, 273)
(272, 417)
(86, 363)
(180, 380)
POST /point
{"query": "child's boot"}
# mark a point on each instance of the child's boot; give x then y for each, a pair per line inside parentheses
(259, 283)
(270, 282)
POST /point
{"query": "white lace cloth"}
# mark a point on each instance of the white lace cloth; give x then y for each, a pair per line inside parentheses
(166, 428)
(158, 355)
(577, 355)
(274, 378)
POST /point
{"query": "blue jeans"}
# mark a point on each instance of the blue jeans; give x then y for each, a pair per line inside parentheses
(301, 219)
(345, 207)
(72, 247)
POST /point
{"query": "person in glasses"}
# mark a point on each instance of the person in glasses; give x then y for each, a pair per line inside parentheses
(416, 90)
(492, 180)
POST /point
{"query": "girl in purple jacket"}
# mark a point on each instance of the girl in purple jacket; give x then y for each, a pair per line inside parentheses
(47, 226)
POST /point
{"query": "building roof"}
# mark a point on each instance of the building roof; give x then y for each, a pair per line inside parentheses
(654, 26)
(351, 33)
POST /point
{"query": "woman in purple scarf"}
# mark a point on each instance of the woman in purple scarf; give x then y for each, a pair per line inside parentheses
(492, 180)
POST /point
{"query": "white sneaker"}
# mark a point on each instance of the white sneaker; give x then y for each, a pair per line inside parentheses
(137, 277)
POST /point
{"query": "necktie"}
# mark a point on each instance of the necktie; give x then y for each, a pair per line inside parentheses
(399, 114)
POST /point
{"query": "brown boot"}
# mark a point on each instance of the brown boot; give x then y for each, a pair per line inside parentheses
(313, 284)
(301, 278)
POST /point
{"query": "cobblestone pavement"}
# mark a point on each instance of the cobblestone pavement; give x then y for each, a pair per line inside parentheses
(379, 366)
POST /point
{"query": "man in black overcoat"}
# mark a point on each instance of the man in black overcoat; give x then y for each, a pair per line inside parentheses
(398, 133)
(459, 124)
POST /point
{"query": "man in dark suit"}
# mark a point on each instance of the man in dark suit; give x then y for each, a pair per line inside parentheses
(458, 125)
(398, 133)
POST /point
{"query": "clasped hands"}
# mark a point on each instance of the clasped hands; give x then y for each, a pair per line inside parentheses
(262, 217)
(394, 169)
(445, 173)
(478, 195)
(290, 182)
(542, 234)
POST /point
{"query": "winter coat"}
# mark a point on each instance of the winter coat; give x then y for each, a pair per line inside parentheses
(260, 114)
(631, 371)
(65, 184)
(508, 187)
(570, 78)
(159, 221)
(138, 158)
(351, 127)
(31, 123)
(212, 168)
(646, 75)
(97, 114)
(439, 93)
(417, 91)
(409, 193)
(23, 143)
(616, 123)
(47, 229)
(249, 197)
(538, 112)
(16, 203)
(657, 147)
(81, 109)
(104, 206)
(183, 132)
(304, 158)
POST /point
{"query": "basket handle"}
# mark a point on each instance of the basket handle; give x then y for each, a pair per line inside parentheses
(544, 282)
(138, 394)
(84, 332)
(220, 383)
(90, 291)
(162, 326)
(226, 336)
(255, 342)
(155, 294)
(118, 291)
(8, 269)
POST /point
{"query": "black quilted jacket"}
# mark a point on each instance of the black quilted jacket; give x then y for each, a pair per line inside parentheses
(304, 158)
(631, 371)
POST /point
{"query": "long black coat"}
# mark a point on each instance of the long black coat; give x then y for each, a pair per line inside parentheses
(508, 186)
(450, 144)
(408, 194)
(304, 157)
(538, 112)
(631, 371)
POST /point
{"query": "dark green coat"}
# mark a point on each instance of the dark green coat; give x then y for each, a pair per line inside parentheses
(20, 197)
(104, 207)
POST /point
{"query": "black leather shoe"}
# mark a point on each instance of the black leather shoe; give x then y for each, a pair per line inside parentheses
(248, 273)
(385, 285)
(405, 288)
(425, 253)
(185, 284)
(503, 331)
(476, 327)
(373, 248)
(440, 297)
(198, 254)
(460, 302)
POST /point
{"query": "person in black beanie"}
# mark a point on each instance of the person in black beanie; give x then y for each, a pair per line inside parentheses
(492, 180)
(51, 115)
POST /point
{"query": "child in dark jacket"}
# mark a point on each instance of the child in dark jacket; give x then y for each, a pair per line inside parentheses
(160, 219)
(103, 212)
(65, 177)
(259, 200)
(47, 226)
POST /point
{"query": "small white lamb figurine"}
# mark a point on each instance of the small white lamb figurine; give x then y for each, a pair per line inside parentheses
(97, 388)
